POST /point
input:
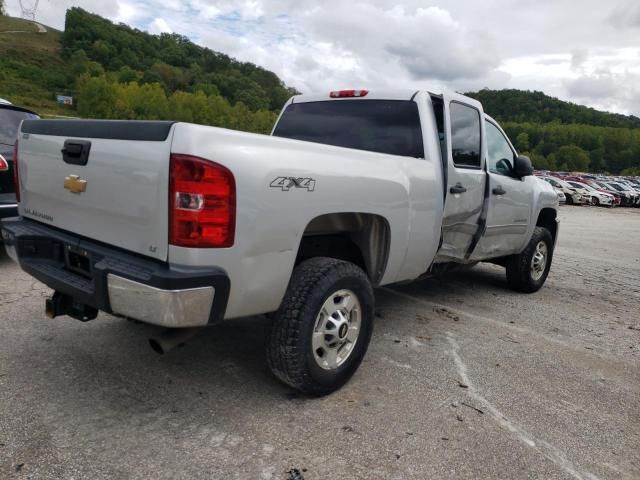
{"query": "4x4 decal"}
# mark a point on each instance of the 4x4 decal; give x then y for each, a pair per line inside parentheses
(287, 183)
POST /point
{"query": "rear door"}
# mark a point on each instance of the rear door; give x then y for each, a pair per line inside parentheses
(104, 180)
(510, 199)
(465, 192)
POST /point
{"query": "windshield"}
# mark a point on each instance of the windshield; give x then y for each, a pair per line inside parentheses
(583, 185)
(10, 122)
(617, 187)
(383, 126)
(561, 183)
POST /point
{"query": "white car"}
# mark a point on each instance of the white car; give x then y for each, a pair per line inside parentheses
(596, 197)
(629, 196)
(184, 225)
(572, 195)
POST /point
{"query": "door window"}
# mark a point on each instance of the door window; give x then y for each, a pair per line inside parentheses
(465, 135)
(499, 154)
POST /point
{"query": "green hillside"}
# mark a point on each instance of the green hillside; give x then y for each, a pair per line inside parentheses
(536, 107)
(31, 68)
(560, 135)
(114, 71)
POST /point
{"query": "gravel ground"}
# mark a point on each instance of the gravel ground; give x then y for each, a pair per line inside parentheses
(463, 379)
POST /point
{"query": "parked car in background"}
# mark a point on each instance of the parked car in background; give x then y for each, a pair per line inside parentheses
(10, 118)
(562, 199)
(597, 198)
(601, 187)
(629, 197)
(573, 197)
(632, 188)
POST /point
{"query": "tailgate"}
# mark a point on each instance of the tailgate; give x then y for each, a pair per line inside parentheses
(111, 183)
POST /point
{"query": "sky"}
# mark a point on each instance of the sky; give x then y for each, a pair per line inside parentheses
(586, 51)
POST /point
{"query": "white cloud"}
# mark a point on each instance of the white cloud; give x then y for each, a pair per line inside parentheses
(159, 25)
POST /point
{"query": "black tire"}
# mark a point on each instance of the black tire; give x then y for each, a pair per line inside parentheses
(519, 267)
(290, 353)
(595, 202)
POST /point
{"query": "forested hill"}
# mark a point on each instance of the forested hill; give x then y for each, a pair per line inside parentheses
(536, 107)
(115, 71)
(560, 135)
(171, 60)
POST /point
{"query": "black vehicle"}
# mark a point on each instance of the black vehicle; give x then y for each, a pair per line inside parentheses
(10, 118)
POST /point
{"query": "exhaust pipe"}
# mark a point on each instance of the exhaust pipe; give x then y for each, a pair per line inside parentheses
(171, 338)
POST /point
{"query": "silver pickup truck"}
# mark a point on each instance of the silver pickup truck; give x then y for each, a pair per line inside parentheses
(183, 225)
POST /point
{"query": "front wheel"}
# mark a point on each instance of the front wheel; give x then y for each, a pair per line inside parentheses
(595, 202)
(318, 337)
(527, 271)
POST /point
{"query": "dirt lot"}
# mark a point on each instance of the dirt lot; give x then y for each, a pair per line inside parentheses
(463, 379)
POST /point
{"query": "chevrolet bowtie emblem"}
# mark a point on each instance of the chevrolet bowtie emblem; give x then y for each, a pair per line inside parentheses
(75, 184)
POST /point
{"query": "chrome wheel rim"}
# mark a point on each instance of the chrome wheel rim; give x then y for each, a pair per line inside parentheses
(539, 260)
(337, 329)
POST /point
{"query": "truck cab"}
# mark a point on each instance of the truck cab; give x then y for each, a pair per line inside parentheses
(487, 188)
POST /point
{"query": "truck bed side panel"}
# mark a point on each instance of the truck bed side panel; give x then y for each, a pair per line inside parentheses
(271, 221)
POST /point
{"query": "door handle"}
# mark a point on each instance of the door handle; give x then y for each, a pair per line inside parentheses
(458, 188)
(76, 152)
(498, 191)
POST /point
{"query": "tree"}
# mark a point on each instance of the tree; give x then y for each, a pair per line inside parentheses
(2, 8)
(573, 158)
(522, 142)
(126, 75)
(95, 96)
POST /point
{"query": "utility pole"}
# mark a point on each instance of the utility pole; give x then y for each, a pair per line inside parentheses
(28, 12)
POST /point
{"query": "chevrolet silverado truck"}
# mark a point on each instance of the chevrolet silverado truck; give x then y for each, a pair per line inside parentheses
(183, 225)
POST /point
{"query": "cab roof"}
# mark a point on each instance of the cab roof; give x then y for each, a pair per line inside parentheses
(375, 94)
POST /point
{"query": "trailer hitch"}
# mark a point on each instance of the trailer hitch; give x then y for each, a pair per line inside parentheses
(61, 304)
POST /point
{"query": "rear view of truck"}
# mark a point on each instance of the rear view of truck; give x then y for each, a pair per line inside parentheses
(100, 202)
(182, 225)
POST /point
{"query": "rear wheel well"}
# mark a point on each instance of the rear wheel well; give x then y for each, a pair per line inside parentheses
(360, 238)
(547, 219)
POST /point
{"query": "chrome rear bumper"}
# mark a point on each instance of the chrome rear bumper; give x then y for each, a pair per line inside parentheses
(168, 308)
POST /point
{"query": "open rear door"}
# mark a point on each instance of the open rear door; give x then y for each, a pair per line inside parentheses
(466, 177)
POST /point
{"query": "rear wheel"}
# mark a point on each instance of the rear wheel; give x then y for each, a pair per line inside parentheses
(528, 271)
(595, 202)
(318, 337)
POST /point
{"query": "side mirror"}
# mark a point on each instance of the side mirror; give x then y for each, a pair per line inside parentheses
(522, 166)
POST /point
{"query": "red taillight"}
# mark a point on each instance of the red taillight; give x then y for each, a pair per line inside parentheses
(202, 203)
(348, 93)
(16, 175)
(4, 165)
